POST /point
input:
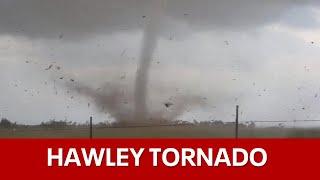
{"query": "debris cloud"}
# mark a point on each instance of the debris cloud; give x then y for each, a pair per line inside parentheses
(118, 100)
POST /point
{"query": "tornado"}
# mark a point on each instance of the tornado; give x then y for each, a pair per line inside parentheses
(128, 104)
(149, 43)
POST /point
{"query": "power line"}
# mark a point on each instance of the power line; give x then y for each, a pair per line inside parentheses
(284, 121)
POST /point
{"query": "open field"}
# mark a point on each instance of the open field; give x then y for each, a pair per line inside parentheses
(157, 132)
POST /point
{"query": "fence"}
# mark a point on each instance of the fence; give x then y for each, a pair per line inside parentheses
(236, 123)
(234, 128)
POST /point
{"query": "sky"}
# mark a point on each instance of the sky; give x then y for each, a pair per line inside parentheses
(261, 55)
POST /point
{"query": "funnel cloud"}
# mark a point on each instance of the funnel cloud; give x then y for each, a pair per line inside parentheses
(148, 47)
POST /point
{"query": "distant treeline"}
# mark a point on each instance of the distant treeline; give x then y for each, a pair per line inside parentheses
(60, 124)
(5, 123)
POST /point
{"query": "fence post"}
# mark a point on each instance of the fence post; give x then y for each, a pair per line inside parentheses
(90, 135)
(237, 122)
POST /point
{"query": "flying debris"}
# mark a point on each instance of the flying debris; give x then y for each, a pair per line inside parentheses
(123, 77)
(306, 68)
(123, 52)
(168, 104)
(49, 67)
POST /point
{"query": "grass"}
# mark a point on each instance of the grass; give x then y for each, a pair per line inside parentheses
(159, 132)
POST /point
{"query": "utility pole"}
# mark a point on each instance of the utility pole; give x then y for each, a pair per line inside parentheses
(237, 122)
(90, 135)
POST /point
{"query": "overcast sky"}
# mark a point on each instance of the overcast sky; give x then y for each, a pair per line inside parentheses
(262, 55)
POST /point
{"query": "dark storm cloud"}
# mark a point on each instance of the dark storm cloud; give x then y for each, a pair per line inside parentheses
(234, 13)
(78, 18)
(301, 17)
